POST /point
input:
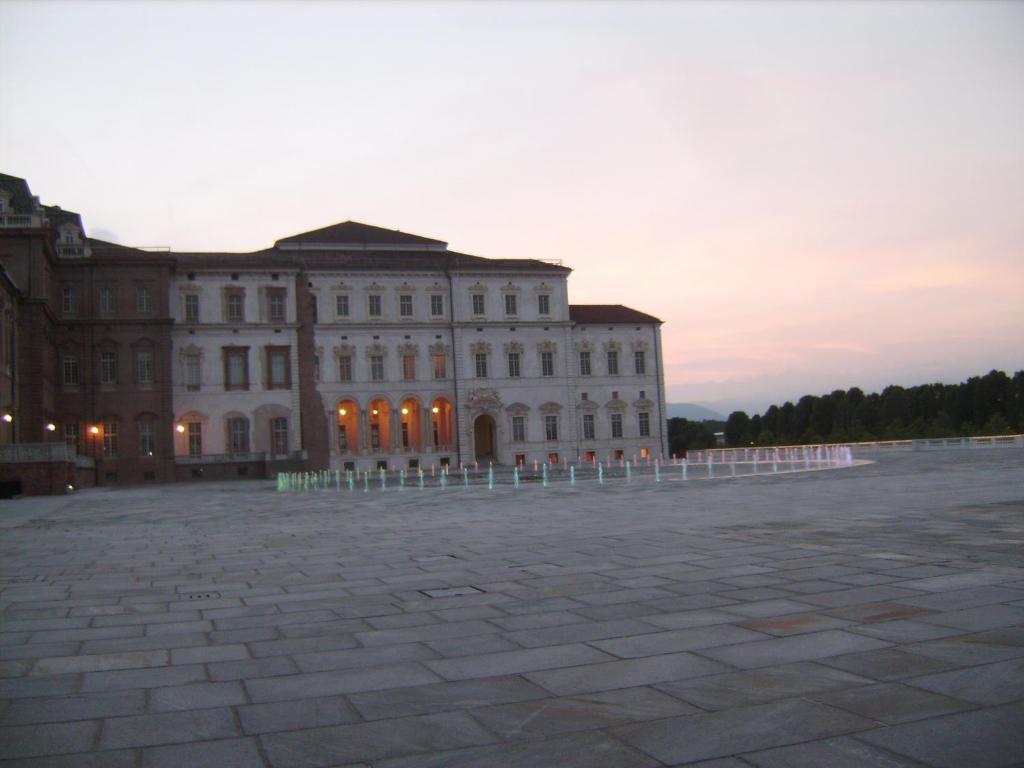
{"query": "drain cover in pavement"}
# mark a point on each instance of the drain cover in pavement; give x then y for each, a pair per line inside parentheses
(452, 592)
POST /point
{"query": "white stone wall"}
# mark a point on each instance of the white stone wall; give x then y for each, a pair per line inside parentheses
(212, 404)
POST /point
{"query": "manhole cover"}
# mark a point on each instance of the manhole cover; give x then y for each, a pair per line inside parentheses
(200, 596)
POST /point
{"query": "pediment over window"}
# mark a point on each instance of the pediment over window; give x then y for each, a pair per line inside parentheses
(374, 287)
(588, 406)
(439, 349)
(514, 347)
(190, 351)
(612, 346)
(644, 404)
(517, 409)
(616, 405)
(373, 350)
(547, 346)
(584, 345)
(483, 398)
(344, 350)
(108, 343)
(510, 287)
(639, 345)
(480, 348)
(550, 407)
(408, 349)
(542, 288)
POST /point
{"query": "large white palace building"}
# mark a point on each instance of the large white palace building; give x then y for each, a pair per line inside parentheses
(370, 348)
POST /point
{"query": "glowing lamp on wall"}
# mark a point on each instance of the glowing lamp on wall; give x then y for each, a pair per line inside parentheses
(435, 409)
(8, 418)
(94, 430)
(180, 428)
(342, 411)
(51, 427)
(375, 411)
(405, 411)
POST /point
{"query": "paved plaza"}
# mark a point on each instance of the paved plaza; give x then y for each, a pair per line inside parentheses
(870, 615)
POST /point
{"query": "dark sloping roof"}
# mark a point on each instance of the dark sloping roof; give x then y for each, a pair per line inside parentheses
(21, 196)
(354, 233)
(608, 313)
(58, 216)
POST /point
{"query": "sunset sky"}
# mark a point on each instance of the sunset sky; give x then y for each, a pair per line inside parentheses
(811, 195)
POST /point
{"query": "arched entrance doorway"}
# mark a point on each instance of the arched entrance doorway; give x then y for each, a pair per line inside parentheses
(484, 438)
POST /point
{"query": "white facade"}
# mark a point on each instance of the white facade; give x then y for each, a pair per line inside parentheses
(419, 357)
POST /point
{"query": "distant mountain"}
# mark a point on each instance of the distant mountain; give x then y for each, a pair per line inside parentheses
(693, 412)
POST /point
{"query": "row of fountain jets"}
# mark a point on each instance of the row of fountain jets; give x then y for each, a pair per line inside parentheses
(790, 459)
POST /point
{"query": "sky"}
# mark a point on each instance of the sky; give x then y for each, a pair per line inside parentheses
(811, 196)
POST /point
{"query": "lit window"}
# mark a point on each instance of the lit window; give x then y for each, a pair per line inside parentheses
(110, 438)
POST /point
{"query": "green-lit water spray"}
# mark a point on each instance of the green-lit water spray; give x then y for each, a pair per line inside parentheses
(465, 477)
(657, 471)
(600, 473)
(572, 474)
(629, 472)
(490, 477)
(545, 474)
(515, 476)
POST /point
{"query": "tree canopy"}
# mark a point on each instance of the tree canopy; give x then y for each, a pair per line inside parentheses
(982, 405)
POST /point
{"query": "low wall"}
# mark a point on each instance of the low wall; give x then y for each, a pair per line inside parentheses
(36, 469)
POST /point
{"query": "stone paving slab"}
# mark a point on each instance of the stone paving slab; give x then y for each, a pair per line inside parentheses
(867, 616)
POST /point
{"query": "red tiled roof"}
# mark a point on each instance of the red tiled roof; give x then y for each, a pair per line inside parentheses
(352, 232)
(609, 313)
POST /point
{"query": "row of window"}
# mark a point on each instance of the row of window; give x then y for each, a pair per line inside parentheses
(107, 296)
(109, 374)
(237, 437)
(589, 426)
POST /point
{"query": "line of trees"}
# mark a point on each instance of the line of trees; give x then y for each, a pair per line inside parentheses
(992, 404)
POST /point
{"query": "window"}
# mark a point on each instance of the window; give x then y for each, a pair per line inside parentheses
(510, 304)
(550, 427)
(236, 308)
(110, 438)
(279, 435)
(440, 365)
(71, 435)
(588, 426)
(613, 362)
(191, 308)
(236, 368)
(518, 429)
(341, 306)
(478, 304)
(144, 368)
(143, 300)
(376, 368)
(373, 305)
(69, 300)
(436, 305)
(106, 300)
(405, 305)
(192, 373)
(238, 435)
(345, 368)
(71, 371)
(481, 365)
(584, 363)
(277, 307)
(108, 368)
(147, 438)
(543, 304)
(616, 425)
(513, 364)
(279, 374)
(639, 362)
(409, 367)
(547, 363)
(195, 438)
(644, 420)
